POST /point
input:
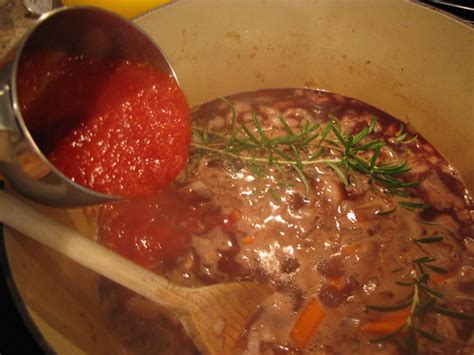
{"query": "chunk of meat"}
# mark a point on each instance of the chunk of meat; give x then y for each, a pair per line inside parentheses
(438, 195)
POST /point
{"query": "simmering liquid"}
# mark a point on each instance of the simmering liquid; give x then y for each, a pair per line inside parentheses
(361, 227)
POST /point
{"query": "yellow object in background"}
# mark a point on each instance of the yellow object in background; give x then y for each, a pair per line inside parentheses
(126, 8)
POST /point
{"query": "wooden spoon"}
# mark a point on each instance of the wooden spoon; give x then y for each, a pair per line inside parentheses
(213, 316)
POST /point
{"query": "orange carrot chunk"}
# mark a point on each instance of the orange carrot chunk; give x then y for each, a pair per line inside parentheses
(383, 327)
(307, 323)
(440, 278)
(397, 315)
(388, 323)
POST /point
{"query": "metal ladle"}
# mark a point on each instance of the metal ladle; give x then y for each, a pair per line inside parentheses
(85, 31)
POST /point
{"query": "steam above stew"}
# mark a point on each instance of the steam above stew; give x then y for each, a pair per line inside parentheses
(363, 229)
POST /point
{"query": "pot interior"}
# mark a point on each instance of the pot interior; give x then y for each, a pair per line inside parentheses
(405, 59)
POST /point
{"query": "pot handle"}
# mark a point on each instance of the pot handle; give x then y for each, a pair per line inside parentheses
(8, 127)
(7, 116)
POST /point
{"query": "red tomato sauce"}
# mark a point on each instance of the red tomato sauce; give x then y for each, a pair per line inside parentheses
(157, 229)
(116, 127)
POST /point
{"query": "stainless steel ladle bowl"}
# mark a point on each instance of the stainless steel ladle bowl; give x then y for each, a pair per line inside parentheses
(85, 31)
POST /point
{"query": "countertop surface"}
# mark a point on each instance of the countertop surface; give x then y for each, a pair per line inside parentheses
(13, 23)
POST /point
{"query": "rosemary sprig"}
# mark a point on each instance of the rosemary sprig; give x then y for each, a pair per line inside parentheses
(428, 240)
(413, 205)
(423, 299)
(385, 212)
(401, 135)
(299, 148)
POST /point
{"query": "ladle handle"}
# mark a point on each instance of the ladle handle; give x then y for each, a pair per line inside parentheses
(25, 219)
(8, 126)
(7, 116)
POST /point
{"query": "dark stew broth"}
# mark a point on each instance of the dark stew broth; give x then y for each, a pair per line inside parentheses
(363, 229)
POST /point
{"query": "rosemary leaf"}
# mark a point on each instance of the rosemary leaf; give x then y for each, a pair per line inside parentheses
(233, 137)
(317, 154)
(361, 135)
(373, 123)
(424, 259)
(431, 337)
(340, 174)
(413, 205)
(339, 136)
(391, 182)
(303, 179)
(400, 137)
(429, 290)
(282, 154)
(325, 133)
(309, 139)
(385, 212)
(453, 314)
(373, 160)
(255, 168)
(270, 157)
(392, 168)
(369, 146)
(297, 157)
(205, 136)
(276, 197)
(359, 165)
(285, 140)
(400, 130)
(256, 122)
(396, 307)
(285, 125)
(401, 283)
(278, 167)
(424, 278)
(437, 269)
(424, 307)
(250, 134)
(245, 144)
(411, 140)
(387, 336)
(310, 129)
(429, 240)
(303, 125)
(397, 192)
(233, 113)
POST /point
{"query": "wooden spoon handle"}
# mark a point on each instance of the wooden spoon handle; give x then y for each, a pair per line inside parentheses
(90, 254)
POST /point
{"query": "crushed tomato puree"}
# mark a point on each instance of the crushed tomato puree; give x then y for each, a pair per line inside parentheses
(116, 127)
(157, 228)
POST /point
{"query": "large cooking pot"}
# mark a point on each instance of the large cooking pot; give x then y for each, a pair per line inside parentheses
(408, 60)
